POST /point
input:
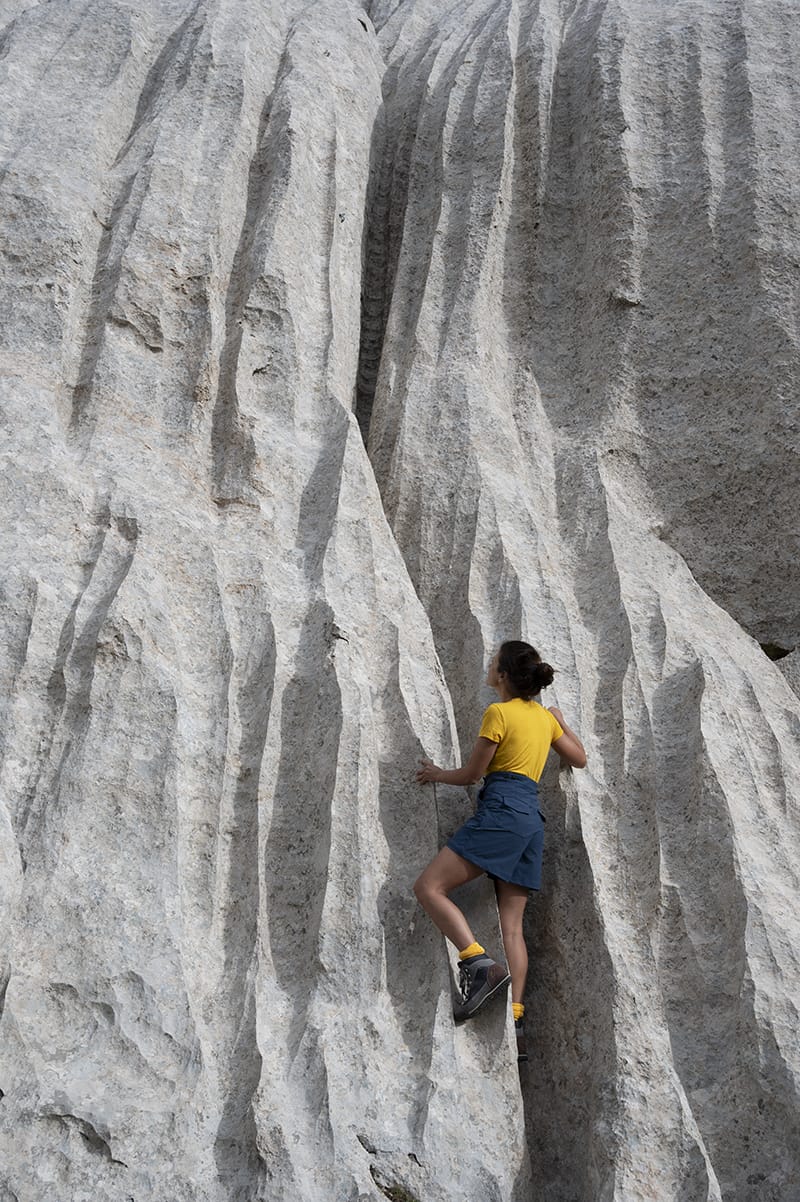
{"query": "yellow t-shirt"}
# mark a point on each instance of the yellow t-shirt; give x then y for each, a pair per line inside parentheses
(523, 731)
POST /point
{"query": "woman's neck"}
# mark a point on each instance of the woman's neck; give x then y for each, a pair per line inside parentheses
(504, 693)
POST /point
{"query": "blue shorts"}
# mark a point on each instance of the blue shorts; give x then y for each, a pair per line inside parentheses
(505, 835)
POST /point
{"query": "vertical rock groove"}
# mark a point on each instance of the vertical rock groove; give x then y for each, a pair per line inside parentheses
(577, 213)
(129, 181)
(341, 341)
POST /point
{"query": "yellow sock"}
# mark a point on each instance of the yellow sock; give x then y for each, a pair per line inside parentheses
(474, 949)
(518, 1010)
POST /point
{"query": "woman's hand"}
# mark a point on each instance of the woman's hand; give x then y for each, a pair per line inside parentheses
(428, 772)
(568, 745)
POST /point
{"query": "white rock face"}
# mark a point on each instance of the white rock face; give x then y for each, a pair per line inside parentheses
(541, 260)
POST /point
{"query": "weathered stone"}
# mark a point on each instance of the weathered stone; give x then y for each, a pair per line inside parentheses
(542, 262)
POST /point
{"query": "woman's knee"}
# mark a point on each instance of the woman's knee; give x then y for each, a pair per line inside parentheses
(422, 889)
(427, 888)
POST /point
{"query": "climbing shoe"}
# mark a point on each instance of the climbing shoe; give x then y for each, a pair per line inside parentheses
(479, 978)
(522, 1047)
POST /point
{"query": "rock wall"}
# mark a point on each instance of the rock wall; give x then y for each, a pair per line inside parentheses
(341, 341)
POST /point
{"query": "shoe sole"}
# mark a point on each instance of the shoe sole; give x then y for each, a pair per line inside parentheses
(461, 1016)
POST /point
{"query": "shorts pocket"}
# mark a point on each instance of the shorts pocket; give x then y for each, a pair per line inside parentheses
(519, 804)
(506, 814)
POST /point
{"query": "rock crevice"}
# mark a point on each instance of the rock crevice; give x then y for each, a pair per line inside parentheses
(341, 341)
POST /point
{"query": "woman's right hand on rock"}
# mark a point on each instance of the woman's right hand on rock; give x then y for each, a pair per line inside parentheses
(428, 772)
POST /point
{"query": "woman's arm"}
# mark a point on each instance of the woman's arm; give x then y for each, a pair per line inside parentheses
(473, 770)
(568, 745)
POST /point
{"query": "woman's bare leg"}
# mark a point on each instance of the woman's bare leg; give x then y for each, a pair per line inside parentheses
(511, 901)
(447, 871)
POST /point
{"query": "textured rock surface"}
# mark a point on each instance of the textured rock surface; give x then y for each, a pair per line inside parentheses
(541, 258)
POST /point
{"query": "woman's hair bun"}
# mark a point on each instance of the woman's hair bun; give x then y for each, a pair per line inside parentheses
(543, 674)
(524, 669)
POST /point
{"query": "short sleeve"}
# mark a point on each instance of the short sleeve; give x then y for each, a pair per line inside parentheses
(558, 729)
(493, 725)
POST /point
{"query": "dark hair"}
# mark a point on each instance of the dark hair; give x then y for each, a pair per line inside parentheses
(523, 668)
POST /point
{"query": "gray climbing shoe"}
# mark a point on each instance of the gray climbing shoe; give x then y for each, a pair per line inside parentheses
(479, 978)
(522, 1046)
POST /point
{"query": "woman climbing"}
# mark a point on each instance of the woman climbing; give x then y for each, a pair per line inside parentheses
(504, 837)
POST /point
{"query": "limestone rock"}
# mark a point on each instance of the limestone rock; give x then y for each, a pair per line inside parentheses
(566, 308)
(219, 677)
(540, 261)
